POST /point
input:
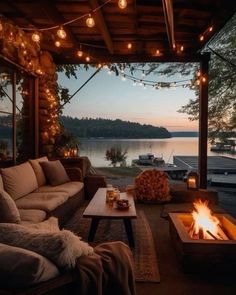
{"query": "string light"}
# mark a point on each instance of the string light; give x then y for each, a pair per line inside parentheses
(61, 33)
(182, 48)
(204, 79)
(122, 4)
(35, 37)
(201, 38)
(87, 58)
(129, 45)
(157, 52)
(57, 43)
(80, 53)
(90, 21)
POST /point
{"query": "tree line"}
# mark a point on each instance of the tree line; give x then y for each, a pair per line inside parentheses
(88, 127)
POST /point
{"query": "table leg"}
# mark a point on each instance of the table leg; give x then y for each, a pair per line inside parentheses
(93, 229)
(129, 232)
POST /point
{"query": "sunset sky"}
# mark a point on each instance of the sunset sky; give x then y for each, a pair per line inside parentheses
(107, 96)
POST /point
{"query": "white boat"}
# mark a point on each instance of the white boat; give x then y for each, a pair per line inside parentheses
(148, 160)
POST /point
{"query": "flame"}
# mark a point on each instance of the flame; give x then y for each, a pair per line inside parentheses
(204, 221)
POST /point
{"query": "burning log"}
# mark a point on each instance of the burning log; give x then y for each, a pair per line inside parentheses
(205, 225)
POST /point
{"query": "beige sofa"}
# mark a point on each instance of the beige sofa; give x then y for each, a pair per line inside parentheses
(36, 199)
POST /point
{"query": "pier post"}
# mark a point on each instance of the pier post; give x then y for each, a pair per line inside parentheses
(203, 120)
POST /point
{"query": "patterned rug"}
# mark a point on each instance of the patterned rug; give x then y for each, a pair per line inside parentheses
(145, 260)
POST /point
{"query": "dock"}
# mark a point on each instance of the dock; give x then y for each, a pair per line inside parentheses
(221, 170)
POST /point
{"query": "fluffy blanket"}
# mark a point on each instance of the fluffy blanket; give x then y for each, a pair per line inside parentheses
(108, 271)
(61, 247)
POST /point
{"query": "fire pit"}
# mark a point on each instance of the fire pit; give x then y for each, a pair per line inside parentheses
(204, 241)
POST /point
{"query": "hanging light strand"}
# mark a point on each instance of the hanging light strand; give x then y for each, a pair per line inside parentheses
(68, 22)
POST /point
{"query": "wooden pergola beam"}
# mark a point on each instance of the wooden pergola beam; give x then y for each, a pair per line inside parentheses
(169, 21)
(102, 26)
(131, 58)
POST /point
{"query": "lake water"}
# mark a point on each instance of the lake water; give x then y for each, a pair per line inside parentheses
(95, 149)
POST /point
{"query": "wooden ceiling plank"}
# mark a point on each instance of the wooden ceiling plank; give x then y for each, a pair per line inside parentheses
(50, 8)
(169, 20)
(102, 26)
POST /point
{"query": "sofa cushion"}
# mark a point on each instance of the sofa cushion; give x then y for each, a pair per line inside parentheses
(1, 184)
(19, 180)
(72, 188)
(55, 172)
(38, 170)
(32, 215)
(42, 201)
(8, 210)
(20, 267)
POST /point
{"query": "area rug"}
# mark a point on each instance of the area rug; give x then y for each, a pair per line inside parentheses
(145, 260)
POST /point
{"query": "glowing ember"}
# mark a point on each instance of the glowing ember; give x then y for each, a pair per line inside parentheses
(205, 225)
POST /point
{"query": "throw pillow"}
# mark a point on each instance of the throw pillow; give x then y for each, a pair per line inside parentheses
(55, 172)
(61, 247)
(21, 268)
(8, 210)
(19, 180)
(41, 179)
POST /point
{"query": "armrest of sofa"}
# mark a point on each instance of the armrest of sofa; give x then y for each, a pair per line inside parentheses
(92, 183)
(75, 174)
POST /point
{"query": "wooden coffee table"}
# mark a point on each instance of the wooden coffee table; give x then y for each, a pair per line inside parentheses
(98, 209)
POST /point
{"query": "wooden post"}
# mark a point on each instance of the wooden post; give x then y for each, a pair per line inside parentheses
(203, 121)
(36, 118)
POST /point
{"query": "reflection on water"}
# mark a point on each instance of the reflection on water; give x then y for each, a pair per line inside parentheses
(96, 149)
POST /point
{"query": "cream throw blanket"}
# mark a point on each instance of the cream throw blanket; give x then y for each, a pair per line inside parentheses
(61, 247)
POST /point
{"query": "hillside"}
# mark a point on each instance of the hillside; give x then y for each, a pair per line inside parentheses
(105, 128)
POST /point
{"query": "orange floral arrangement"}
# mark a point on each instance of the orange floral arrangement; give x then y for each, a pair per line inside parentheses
(152, 185)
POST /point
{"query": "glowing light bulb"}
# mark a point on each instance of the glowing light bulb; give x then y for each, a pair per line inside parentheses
(204, 79)
(80, 53)
(129, 45)
(61, 33)
(90, 21)
(201, 38)
(1, 26)
(198, 73)
(182, 48)
(35, 37)
(57, 43)
(157, 52)
(211, 29)
(87, 58)
(122, 4)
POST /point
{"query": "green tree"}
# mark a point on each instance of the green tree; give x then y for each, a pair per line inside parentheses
(116, 155)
